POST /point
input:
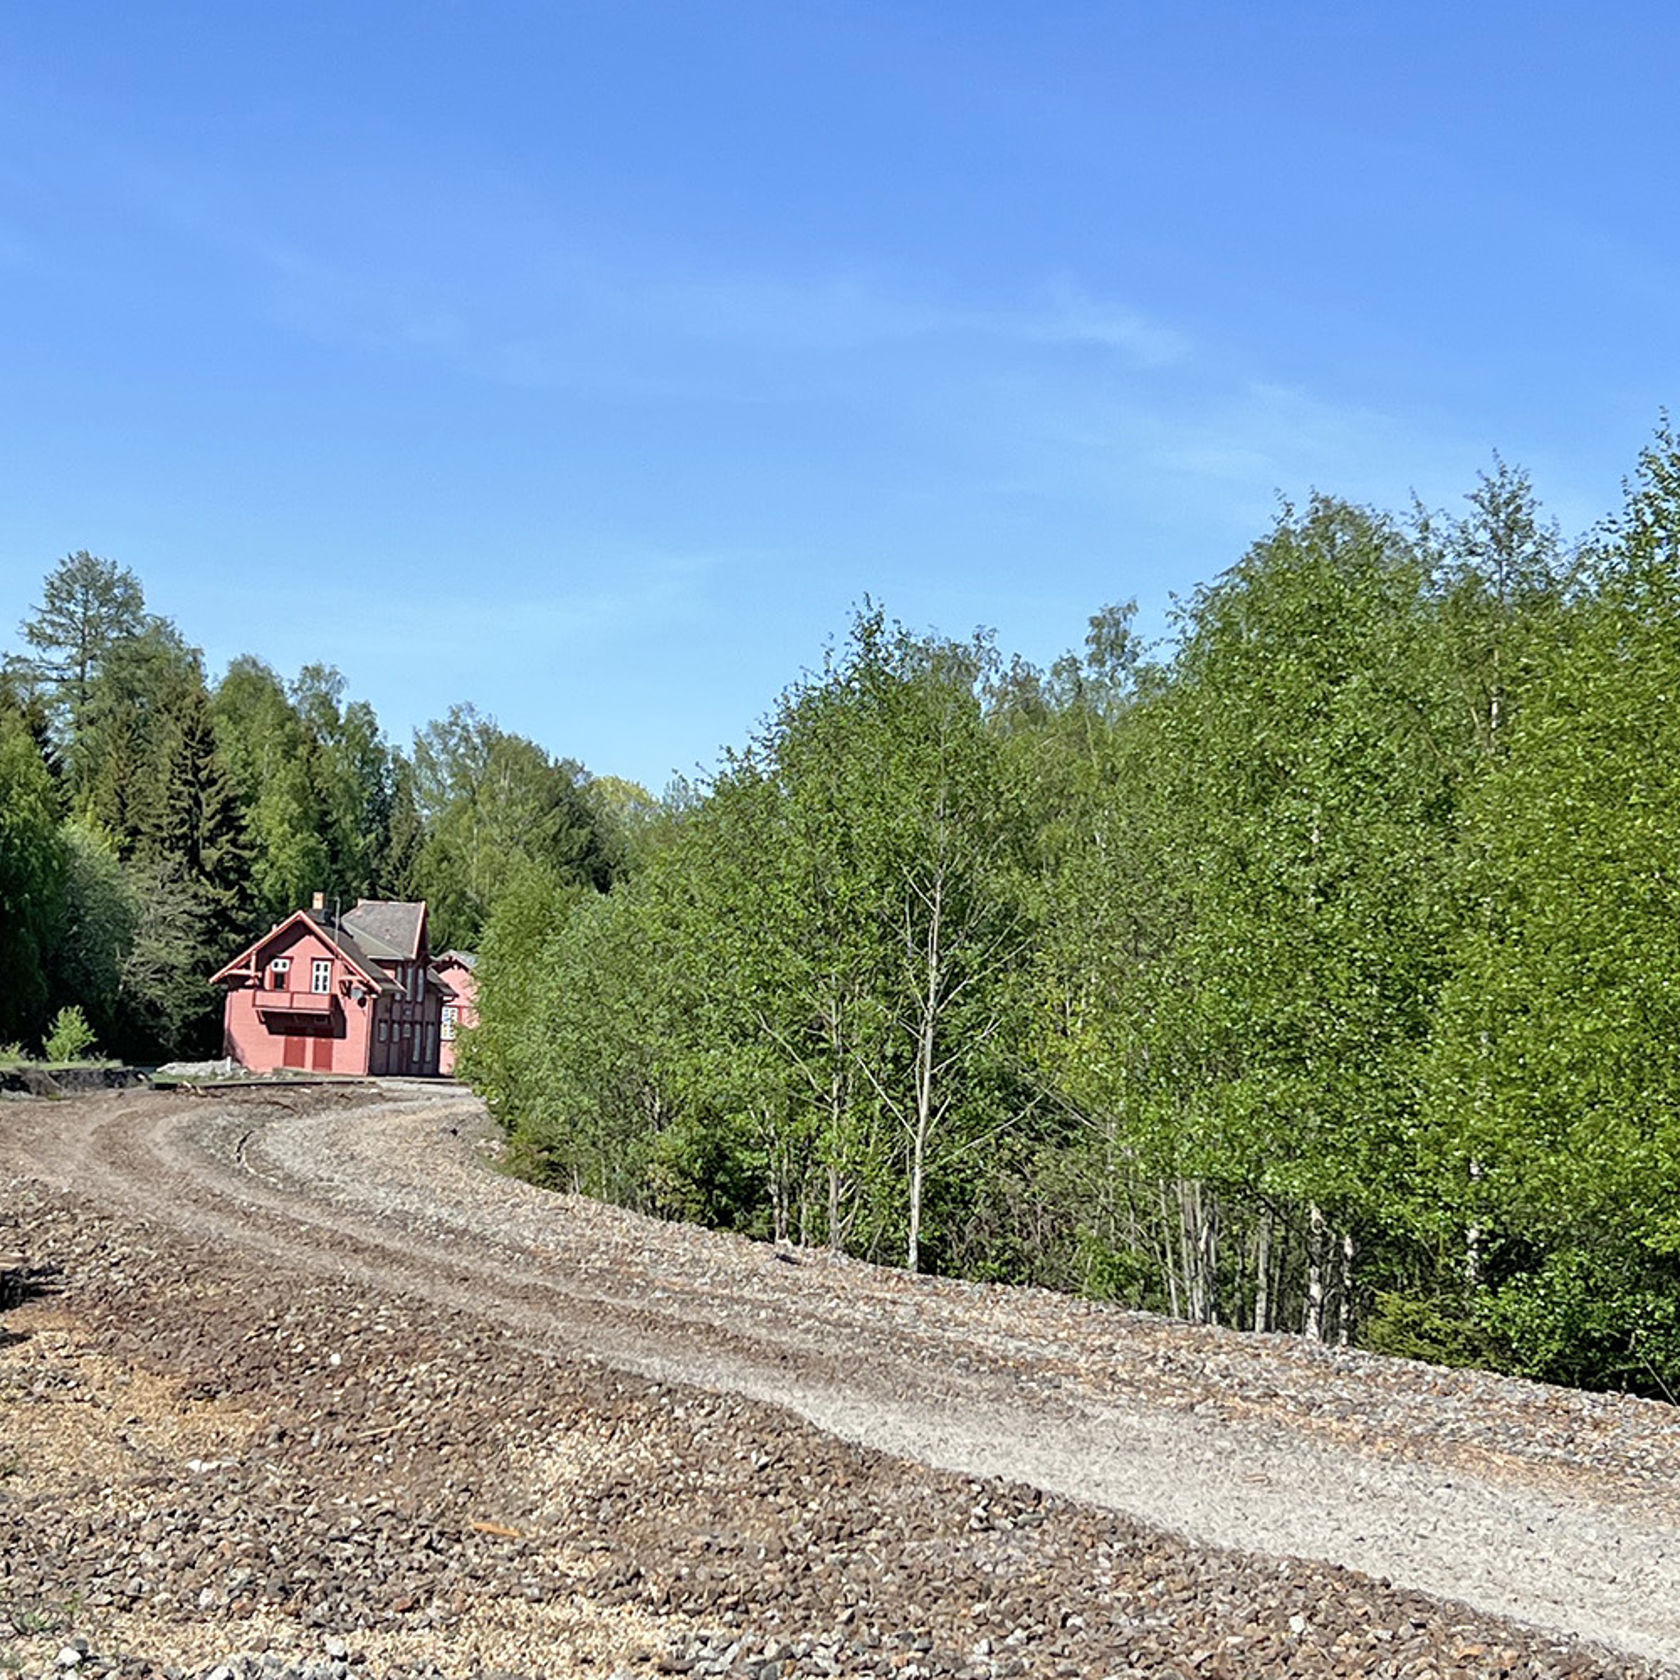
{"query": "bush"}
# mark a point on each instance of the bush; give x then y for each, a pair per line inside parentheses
(1440, 1332)
(71, 1037)
(1593, 1318)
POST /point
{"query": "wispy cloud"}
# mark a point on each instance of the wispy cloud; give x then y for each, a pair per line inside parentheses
(1216, 453)
(848, 312)
(564, 333)
(1074, 318)
(1069, 387)
(479, 276)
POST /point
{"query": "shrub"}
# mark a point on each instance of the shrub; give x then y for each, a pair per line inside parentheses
(1440, 1332)
(71, 1037)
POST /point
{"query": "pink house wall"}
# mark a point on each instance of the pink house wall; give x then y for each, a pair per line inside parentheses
(326, 1033)
(459, 978)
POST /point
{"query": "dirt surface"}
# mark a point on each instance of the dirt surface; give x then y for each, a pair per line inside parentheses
(304, 1386)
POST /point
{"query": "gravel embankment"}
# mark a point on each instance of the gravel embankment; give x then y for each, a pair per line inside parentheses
(316, 1387)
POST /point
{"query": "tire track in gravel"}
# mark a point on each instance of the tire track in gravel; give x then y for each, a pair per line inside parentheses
(385, 1191)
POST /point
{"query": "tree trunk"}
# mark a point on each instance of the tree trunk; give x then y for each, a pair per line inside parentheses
(1344, 1306)
(1313, 1325)
(1207, 1253)
(926, 1060)
(913, 1251)
(779, 1193)
(1186, 1259)
(1262, 1271)
(835, 1234)
(1167, 1227)
(1198, 1245)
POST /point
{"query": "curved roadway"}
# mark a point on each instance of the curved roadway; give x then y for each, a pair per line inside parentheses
(400, 1189)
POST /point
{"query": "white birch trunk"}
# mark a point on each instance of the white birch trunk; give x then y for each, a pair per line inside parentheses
(1198, 1247)
(835, 1235)
(1186, 1258)
(1207, 1254)
(1344, 1304)
(1313, 1326)
(1167, 1227)
(926, 1049)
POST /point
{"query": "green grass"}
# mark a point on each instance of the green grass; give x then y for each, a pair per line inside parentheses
(15, 1056)
(42, 1615)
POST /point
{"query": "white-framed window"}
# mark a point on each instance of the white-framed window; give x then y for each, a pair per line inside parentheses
(449, 1018)
(320, 975)
(279, 974)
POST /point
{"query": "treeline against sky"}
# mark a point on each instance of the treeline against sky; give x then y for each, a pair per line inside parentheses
(153, 823)
(1318, 972)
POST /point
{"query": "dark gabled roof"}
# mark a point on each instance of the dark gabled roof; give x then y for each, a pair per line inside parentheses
(341, 936)
(467, 959)
(388, 930)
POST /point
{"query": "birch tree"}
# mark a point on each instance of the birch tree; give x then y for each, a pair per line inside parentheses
(1553, 1048)
(1305, 804)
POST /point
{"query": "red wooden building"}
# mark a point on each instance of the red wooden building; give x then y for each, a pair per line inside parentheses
(352, 993)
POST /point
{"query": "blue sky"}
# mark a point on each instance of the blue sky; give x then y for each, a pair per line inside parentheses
(590, 361)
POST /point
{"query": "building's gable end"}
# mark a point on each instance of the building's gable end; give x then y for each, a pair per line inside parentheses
(302, 935)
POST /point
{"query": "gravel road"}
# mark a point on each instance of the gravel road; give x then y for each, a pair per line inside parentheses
(1124, 1492)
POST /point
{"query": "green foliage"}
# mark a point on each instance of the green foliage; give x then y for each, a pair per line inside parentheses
(192, 868)
(796, 1015)
(1438, 1331)
(71, 1038)
(273, 764)
(1316, 971)
(100, 919)
(492, 804)
(1555, 1109)
(1599, 1316)
(32, 872)
(360, 784)
(119, 736)
(168, 1002)
(87, 606)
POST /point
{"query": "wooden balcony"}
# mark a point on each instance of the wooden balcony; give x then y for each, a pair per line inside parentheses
(294, 1003)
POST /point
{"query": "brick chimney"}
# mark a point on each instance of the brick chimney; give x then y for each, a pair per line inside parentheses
(320, 902)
